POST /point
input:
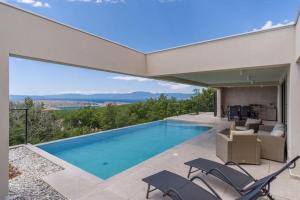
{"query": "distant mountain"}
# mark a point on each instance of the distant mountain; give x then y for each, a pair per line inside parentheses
(121, 97)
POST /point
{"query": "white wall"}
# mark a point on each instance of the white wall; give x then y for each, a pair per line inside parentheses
(294, 113)
(297, 40)
(252, 95)
(267, 48)
(28, 35)
(293, 89)
(219, 102)
(249, 95)
(4, 124)
(279, 103)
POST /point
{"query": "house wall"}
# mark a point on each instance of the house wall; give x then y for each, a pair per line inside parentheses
(4, 124)
(219, 102)
(293, 89)
(297, 40)
(294, 114)
(31, 36)
(249, 95)
(266, 48)
(279, 103)
(252, 95)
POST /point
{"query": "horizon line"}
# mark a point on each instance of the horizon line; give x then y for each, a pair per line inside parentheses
(89, 94)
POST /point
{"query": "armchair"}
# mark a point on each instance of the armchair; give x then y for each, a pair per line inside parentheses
(240, 149)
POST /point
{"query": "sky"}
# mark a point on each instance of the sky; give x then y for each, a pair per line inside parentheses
(145, 25)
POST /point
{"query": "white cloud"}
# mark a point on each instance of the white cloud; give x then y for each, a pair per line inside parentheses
(130, 78)
(174, 86)
(99, 1)
(269, 24)
(35, 3)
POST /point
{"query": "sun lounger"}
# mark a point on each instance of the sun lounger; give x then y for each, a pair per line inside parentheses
(241, 180)
(180, 188)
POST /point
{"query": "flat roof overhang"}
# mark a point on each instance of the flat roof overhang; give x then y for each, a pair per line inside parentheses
(31, 36)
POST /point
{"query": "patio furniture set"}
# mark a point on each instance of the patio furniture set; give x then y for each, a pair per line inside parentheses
(238, 112)
(248, 141)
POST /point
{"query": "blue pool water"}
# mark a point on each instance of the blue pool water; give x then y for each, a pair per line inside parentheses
(108, 153)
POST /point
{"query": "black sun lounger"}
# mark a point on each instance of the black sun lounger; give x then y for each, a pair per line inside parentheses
(240, 180)
(179, 188)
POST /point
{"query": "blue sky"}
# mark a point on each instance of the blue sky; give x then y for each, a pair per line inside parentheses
(145, 25)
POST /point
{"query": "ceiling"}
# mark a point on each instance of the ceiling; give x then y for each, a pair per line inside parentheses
(236, 77)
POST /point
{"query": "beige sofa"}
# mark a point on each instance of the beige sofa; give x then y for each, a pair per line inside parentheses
(272, 147)
(240, 149)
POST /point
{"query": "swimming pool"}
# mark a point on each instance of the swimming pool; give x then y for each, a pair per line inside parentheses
(108, 153)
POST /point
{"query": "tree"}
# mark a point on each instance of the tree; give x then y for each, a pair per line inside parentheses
(28, 103)
(203, 101)
(109, 116)
(50, 125)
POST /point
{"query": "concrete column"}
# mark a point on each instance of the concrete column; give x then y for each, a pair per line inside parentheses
(294, 114)
(279, 103)
(4, 125)
(219, 102)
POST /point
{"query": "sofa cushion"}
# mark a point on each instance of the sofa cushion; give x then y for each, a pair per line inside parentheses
(277, 133)
(252, 121)
(279, 125)
(278, 130)
(246, 132)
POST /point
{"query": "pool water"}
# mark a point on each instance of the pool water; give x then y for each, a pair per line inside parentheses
(108, 153)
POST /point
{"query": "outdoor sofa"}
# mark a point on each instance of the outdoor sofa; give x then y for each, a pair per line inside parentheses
(273, 142)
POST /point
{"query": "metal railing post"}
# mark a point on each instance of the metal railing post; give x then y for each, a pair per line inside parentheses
(26, 125)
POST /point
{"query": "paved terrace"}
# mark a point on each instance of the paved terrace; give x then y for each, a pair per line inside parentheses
(76, 184)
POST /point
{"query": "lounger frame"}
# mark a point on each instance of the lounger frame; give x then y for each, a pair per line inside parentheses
(256, 183)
